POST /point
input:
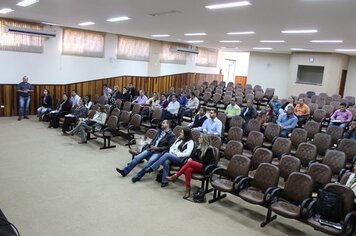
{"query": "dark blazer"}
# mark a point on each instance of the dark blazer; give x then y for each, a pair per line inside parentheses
(166, 142)
(251, 114)
(207, 159)
(198, 122)
(46, 101)
(125, 96)
(66, 107)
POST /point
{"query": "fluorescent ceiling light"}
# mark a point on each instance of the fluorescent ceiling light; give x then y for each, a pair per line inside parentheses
(308, 31)
(326, 41)
(300, 49)
(258, 48)
(26, 3)
(49, 23)
(160, 35)
(195, 34)
(229, 41)
(121, 18)
(228, 5)
(272, 41)
(6, 10)
(195, 41)
(86, 23)
(240, 33)
(346, 50)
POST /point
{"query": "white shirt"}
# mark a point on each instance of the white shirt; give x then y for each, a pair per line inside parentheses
(173, 107)
(75, 100)
(193, 103)
(187, 148)
(100, 117)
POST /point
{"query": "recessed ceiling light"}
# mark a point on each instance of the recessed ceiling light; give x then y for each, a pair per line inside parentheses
(195, 34)
(86, 23)
(6, 10)
(346, 50)
(26, 3)
(121, 18)
(228, 5)
(229, 41)
(300, 49)
(160, 35)
(326, 41)
(308, 31)
(259, 48)
(272, 41)
(195, 41)
(240, 33)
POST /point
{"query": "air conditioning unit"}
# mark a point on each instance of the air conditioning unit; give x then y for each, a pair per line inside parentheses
(41, 33)
(188, 50)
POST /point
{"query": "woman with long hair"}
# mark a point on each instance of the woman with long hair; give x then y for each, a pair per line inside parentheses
(63, 109)
(181, 150)
(202, 158)
(46, 107)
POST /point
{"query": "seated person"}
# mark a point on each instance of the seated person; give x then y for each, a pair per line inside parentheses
(115, 95)
(125, 96)
(192, 105)
(351, 133)
(275, 104)
(75, 98)
(180, 151)
(302, 112)
(287, 121)
(64, 108)
(46, 107)
(163, 102)
(106, 92)
(87, 102)
(203, 157)
(182, 99)
(141, 99)
(284, 108)
(211, 125)
(341, 117)
(150, 104)
(98, 121)
(199, 119)
(232, 109)
(172, 109)
(159, 145)
(249, 112)
(270, 115)
(72, 118)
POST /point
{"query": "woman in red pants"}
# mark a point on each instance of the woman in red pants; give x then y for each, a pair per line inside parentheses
(204, 156)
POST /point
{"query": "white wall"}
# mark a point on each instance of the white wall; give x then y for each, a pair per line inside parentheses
(269, 70)
(241, 58)
(350, 87)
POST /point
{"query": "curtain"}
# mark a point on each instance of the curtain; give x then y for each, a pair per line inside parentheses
(169, 53)
(131, 48)
(207, 57)
(20, 42)
(83, 43)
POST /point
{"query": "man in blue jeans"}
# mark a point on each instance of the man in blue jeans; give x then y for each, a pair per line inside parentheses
(159, 145)
(24, 89)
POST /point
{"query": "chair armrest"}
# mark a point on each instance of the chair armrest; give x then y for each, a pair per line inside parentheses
(255, 148)
(304, 207)
(272, 194)
(208, 169)
(349, 223)
(236, 183)
(217, 171)
(244, 183)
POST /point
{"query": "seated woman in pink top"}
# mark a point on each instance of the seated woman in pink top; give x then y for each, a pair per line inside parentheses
(341, 117)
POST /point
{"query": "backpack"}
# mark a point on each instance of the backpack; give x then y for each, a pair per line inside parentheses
(329, 206)
(199, 196)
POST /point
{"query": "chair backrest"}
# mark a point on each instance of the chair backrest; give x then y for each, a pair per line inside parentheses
(112, 122)
(351, 100)
(259, 95)
(348, 146)
(336, 160)
(127, 106)
(320, 173)
(336, 97)
(272, 130)
(336, 133)
(157, 113)
(222, 117)
(91, 114)
(215, 141)
(235, 133)
(206, 96)
(118, 103)
(319, 115)
(312, 106)
(298, 187)
(269, 93)
(287, 165)
(253, 125)
(335, 104)
(195, 135)
(346, 194)
(254, 139)
(151, 133)
(217, 97)
(136, 121)
(322, 141)
(115, 112)
(323, 95)
(125, 116)
(312, 127)
(177, 130)
(237, 121)
(281, 146)
(306, 152)
(250, 97)
(310, 94)
(232, 148)
(314, 98)
(239, 165)
(328, 110)
(136, 109)
(227, 99)
(102, 100)
(328, 100)
(302, 96)
(239, 100)
(266, 176)
(216, 152)
(261, 155)
(298, 136)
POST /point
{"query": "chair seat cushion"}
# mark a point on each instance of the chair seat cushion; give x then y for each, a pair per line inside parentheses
(323, 228)
(247, 153)
(224, 185)
(103, 134)
(286, 209)
(198, 176)
(267, 144)
(252, 195)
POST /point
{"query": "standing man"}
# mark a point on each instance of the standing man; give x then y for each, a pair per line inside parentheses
(75, 98)
(106, 92)
(24, 89)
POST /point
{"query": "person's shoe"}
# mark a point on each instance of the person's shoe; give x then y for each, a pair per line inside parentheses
(163, 185)
(187, 194)
(135, 179)
(26, 117)
(82, 142)
(19, 118)
(149, 170)
(172, 178)
(121, 172)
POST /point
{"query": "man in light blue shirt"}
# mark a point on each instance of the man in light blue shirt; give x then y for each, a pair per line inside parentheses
(287, 121)
(75, 98)
(211, 125)
(142, 99)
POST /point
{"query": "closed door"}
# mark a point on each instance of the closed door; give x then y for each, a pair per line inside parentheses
(342, 82)
(229, 70)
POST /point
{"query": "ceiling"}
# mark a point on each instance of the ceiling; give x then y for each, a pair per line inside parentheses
(334, 20)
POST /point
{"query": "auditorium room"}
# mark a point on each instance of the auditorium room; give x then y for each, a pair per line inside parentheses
(166, 117)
